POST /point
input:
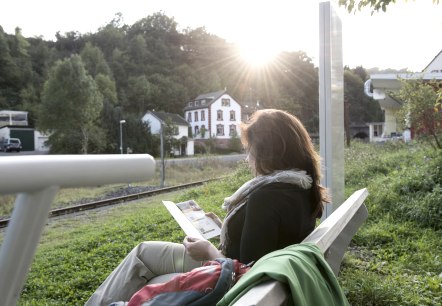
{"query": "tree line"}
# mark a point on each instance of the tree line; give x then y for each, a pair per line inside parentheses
(80, 86)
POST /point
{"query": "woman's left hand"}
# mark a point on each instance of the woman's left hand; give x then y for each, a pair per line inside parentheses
(201, 249)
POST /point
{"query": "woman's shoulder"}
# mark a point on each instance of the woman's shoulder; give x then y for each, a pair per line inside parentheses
(276, 190)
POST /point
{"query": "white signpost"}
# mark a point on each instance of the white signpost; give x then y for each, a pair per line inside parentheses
(331, 104)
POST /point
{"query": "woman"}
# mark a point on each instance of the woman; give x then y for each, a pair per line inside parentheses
(277, 208)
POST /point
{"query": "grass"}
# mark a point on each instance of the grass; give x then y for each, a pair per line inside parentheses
(394, 259)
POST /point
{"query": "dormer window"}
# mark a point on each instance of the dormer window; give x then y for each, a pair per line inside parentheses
(225, 102)
(197, 103)
(203, 102)
(190, 103)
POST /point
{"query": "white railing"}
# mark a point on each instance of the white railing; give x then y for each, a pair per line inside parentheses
(36, 180)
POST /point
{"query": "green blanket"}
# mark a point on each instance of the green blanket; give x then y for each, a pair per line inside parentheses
(301, 266)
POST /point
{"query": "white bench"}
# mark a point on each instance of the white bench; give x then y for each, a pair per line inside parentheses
(332, 237)
(36, 180)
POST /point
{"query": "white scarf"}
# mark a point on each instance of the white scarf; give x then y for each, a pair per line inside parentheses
(237, 200)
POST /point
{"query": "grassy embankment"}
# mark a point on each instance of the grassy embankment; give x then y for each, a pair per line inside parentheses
(394, 260)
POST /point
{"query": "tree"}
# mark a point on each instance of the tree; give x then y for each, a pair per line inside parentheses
(94, 61)
(139, 95)
(71, 106)
(421, 111)
(170, 130)
(374, 5)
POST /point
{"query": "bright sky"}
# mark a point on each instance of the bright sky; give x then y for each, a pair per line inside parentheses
(408, 35)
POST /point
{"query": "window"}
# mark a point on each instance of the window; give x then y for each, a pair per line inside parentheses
(197, 130)
(219, 115)
(176, 131)
(220, 130)
(232, 115)
(197, 103)
(196, 116)
(203, 102)
(225, 102)
(190, 103)
(203, 115)
(189, 117)
(232, 131)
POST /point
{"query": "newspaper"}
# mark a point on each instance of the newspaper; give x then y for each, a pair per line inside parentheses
(193, 219)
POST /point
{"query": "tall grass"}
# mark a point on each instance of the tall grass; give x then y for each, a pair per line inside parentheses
(396, 257)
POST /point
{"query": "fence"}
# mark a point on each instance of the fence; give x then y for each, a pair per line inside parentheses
(36, 180)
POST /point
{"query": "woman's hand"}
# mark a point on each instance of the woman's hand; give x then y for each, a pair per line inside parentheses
(215, 218)
(201, 249)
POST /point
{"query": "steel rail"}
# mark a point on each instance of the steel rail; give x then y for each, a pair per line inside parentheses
(115, 200)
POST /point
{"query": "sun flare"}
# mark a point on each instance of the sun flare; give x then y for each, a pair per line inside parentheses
(257, 55)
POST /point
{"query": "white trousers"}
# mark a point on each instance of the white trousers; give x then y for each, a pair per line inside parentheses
(146, 261)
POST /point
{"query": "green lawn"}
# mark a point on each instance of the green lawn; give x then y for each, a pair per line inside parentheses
(394, 259)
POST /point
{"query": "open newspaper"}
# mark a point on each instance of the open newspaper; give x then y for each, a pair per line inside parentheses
(193, 219)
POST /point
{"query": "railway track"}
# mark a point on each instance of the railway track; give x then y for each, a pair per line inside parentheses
(115, 200)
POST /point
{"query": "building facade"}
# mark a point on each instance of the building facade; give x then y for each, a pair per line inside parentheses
(379, 87)
(181, 130)
(215, 115)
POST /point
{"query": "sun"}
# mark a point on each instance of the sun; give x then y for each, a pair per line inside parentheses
(257, 54)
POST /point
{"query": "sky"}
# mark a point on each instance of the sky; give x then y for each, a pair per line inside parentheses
(408, 35)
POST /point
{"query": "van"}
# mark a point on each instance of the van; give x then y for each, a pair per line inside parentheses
(10, 144)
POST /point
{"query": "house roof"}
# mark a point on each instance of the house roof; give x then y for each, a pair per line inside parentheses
(208, 98)
(436, 58)
(175, 118)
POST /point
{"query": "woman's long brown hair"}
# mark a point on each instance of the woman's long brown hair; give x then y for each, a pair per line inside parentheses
(277, 140)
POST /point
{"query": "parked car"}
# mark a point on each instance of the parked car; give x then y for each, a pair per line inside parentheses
(10, 144)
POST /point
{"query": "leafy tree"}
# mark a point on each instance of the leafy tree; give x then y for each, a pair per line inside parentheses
(139, 138)
(70, 43)
(107, 88)
(421, 110)
(71, 106)
(170, 130)
(374, 5)
(94, 61)
(139, 95)
(361, 108)
(110, 37)
(9, 73)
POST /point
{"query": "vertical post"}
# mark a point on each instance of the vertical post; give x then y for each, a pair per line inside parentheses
(331, 104)
(22, 236)
(121, 135)
(162, 154)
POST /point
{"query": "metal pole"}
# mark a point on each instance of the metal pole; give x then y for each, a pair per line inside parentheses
(22, 237)
(121, 135)
(162, 155)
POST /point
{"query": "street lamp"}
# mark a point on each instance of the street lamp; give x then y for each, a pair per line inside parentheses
(121, 135)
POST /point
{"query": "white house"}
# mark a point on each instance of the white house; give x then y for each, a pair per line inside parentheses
(156, 119)
(379, 86)
(214, 114)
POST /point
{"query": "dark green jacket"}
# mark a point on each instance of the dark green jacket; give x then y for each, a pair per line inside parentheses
(301, 266)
